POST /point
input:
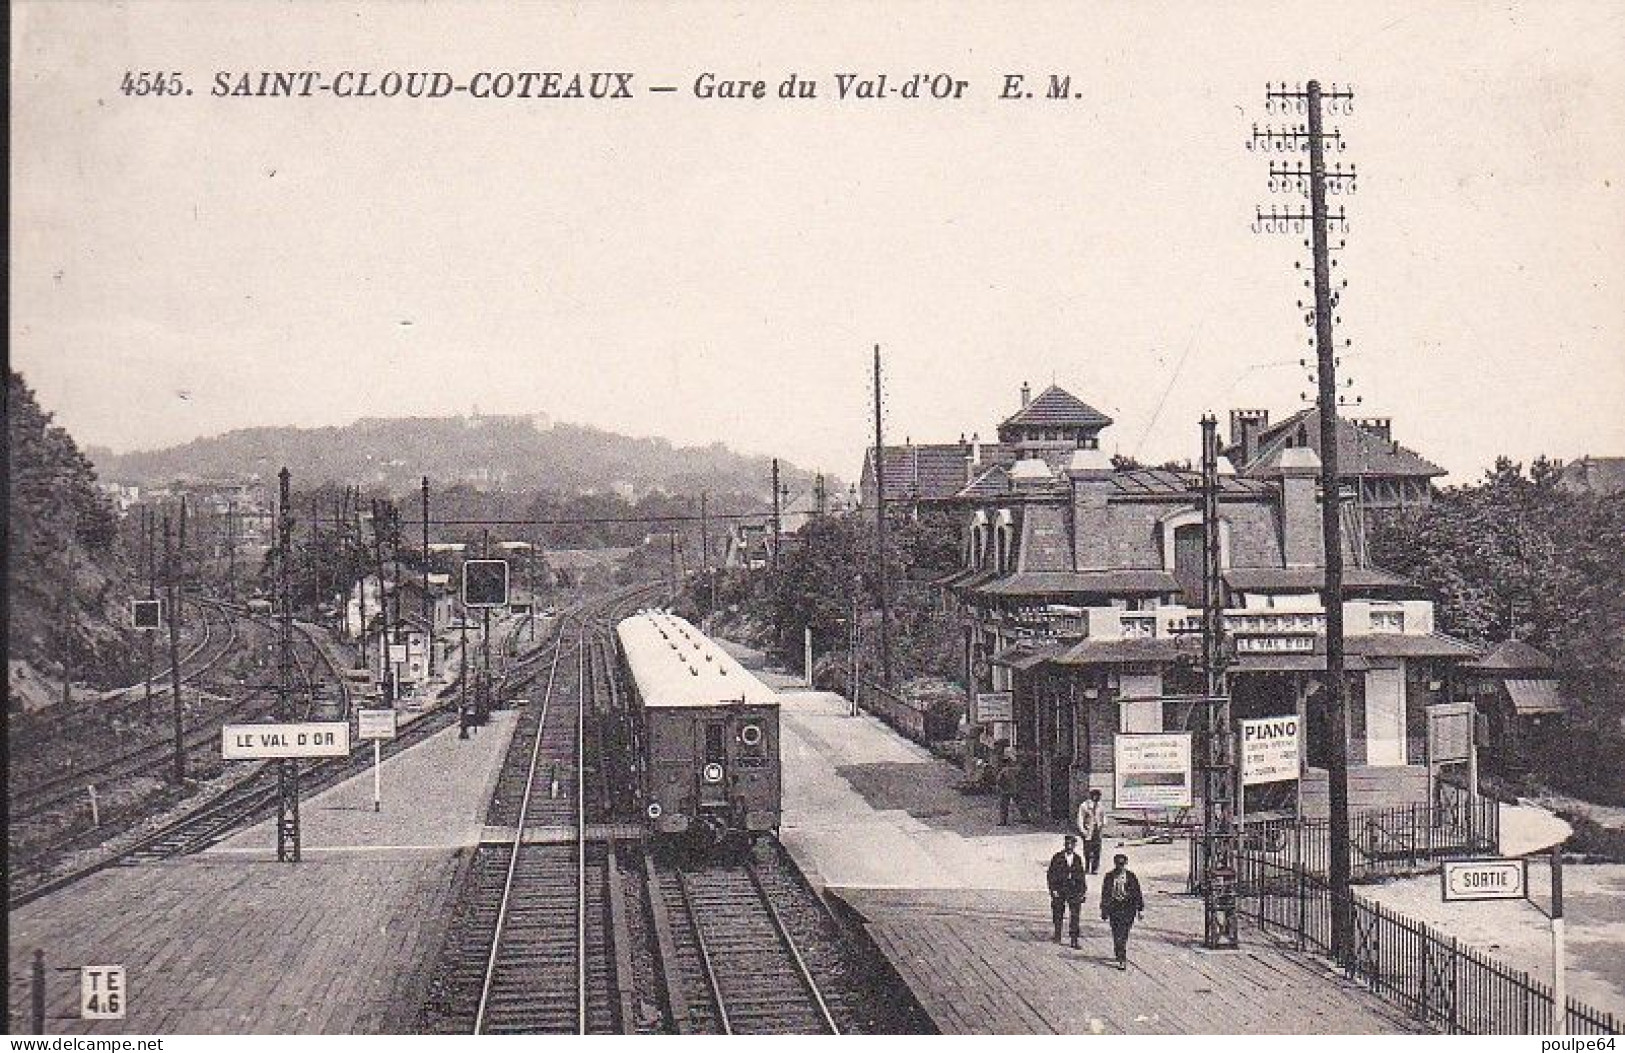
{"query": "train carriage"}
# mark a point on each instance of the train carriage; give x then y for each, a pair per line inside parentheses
(711, 731)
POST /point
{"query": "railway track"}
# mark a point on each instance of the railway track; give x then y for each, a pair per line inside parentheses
(553, 965)
(156, 755)
(570, 930)
(733, 937)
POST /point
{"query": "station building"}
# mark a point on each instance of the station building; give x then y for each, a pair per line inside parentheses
(1080, 595)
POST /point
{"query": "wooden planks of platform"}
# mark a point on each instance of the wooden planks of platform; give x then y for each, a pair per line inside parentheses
(984, 962)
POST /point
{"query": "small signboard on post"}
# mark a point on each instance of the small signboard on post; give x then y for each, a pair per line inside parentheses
(1466, 880)
(102, 994)
(994, 706)
(376, 724)
(327, 738)
(1152, 770)
(147, 614)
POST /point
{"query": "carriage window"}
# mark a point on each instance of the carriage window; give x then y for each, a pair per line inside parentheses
(716, 749)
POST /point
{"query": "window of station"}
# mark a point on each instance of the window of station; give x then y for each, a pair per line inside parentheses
(716, 748)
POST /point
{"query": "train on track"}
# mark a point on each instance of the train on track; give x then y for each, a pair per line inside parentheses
(710, 732)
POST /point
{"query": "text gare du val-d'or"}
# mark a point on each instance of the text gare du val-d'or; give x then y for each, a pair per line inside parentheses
(599, 85)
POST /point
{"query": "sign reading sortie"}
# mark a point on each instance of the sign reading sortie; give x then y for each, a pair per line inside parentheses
(1484, 879)
(1269, 750)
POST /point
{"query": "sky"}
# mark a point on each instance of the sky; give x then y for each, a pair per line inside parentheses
(721, 269)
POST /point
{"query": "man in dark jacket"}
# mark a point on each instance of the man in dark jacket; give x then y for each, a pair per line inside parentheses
(1068, 882)
(1120, 904)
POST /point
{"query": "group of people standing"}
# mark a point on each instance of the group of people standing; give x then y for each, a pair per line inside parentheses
(1121, 901)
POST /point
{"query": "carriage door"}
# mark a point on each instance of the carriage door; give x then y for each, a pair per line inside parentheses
(714, 763)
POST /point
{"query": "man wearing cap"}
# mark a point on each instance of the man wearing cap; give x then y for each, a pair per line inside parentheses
(1067, 885)
(1120, 904)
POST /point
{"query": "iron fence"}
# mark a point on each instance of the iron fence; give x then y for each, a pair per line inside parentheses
(1382, 842)
(1430, 975)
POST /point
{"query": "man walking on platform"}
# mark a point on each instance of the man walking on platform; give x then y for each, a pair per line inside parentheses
(1120, 904)
(1067, 887)
(1092, 828)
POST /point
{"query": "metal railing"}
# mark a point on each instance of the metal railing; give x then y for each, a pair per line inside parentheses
(1425, 972)
(1384, 841)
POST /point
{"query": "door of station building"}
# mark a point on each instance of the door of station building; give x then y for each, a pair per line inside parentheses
(1385, 717)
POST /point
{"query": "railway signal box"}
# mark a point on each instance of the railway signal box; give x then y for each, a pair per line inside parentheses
(485, 583)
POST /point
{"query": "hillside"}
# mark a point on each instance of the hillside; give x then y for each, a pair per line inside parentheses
(60, 529)
(487, 452)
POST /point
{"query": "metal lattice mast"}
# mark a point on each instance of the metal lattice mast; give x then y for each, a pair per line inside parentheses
(287, 773)
(1316, 181)
(1220, 839)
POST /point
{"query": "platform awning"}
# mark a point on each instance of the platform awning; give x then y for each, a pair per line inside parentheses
(1310, 579)
(1530, 697)
(1398, 645)
(1126, 652)
(1024, 657)
(1084, 583)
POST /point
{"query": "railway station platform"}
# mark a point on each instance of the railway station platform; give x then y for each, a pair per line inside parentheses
(958, 903)
(231, 941)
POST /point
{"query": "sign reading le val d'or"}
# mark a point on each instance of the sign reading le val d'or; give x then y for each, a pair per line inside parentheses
(328, 738)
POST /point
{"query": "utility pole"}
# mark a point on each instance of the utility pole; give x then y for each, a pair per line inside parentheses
(177, 710)
(482, 698)
(1220, 839)
(820, 496)
(778, 525)
(149, 529)
(387, 667)
(231, 549)
(361, 564)
(705, 552)
(182, 545)
(881, 589)
(1315, 181)
(287, 773)
(428, 603)
(315, 574)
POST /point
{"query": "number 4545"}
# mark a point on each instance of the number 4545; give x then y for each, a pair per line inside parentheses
(145, 83)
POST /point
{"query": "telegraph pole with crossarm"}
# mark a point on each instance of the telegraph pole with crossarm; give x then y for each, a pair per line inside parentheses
(1316, 181)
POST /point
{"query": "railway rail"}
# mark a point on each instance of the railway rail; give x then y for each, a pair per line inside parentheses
(153, 757)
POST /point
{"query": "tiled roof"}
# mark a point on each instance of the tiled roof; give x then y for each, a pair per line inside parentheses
(1358, 451)
(1117, 652)
(1398, 645)
(1535, 696)
(994, 482)
(1597, 475)
(1303, 579)
(1512, 655)
(1079, 583)
(1025, 656)
(1057, 408)
(929, 471)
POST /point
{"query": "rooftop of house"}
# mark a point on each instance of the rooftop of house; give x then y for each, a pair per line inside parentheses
(1055, 407)
(1596, 475)
(931, 471)
(1359, 451)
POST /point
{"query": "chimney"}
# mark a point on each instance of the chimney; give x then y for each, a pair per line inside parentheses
(1298, 470)
(1090, 472)
(1245, 427)
(1380, 427)
(1026, 394)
